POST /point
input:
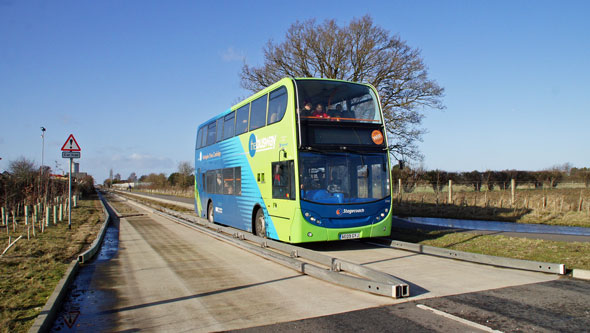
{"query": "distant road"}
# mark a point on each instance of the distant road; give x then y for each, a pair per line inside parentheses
(168, 197)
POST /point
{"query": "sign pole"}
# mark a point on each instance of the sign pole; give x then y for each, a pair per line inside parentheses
(70, 196)
(70, 149)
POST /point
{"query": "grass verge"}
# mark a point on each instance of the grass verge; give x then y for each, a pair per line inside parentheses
(572, 254)
(31, 269)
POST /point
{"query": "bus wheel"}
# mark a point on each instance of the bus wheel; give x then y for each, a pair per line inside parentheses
(260, 226)
(210, 212)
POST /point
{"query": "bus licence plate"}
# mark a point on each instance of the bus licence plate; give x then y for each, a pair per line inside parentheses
(354, 235)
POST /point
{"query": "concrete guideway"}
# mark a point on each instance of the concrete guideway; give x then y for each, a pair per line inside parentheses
(358, 277)
(161, 198)
(499, 298)
(169, 277)
(429, 276)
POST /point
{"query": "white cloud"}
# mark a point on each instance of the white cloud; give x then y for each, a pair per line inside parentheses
(230, 54)
(124, 164)
(140, 161)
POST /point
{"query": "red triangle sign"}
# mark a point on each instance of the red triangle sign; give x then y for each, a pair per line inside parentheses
(71, 144)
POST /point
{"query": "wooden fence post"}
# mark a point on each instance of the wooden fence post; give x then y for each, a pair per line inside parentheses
(513, 189)
(450, 191)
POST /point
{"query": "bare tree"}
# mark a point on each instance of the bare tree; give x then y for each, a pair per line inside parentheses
(360, 52)
(185, 170)
(132, 177)
(22, 168)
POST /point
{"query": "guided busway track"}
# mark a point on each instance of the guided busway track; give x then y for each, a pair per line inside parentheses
(305, 261)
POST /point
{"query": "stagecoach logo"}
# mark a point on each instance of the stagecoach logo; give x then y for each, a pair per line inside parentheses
(349, 211)
(261, 145)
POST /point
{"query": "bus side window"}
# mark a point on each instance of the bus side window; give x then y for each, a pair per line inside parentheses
(258, 113)
(242, 116)
(238, 180)
(228, 126)
(199, 138)
(211, 134)
(203, 139)
(219, 129)
(277, 105)
(228, 181)
(210, 188)
(219, 181)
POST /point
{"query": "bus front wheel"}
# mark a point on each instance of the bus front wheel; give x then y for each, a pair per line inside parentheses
(259, 224)
(210, 212)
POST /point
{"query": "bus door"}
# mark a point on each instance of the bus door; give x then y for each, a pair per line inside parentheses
(283, 192)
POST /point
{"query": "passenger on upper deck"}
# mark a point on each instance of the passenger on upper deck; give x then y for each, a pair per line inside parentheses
(306, 111)
(319, 112)
(336, 113)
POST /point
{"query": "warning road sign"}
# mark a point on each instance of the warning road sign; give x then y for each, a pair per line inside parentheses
(71, 144)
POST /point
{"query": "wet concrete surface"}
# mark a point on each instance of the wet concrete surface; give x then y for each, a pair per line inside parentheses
(84, 300)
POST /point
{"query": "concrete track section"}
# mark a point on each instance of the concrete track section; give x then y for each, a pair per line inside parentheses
(430, 276)
(554, 306)
(166, 277)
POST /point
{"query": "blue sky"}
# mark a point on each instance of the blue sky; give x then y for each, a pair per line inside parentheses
(133, 79)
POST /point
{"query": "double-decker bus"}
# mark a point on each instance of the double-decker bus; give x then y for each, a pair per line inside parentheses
(303, 160)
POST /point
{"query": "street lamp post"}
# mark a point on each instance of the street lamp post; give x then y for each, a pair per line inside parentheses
(42, 147)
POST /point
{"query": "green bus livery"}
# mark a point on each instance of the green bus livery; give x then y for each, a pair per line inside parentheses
(303, 160)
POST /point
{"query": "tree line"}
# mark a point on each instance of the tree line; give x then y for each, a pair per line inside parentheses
(26, 183)
(437, 179)
(184, 177)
